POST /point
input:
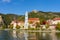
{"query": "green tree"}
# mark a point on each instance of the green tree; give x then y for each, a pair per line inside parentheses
(4, 26)
(11, 26)
(17, 27)
(47, 25)
(37, 25)
(58, 26)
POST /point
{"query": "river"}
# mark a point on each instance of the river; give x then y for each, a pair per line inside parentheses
(25, 35)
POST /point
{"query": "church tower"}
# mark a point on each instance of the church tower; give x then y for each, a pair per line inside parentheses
(26, 21)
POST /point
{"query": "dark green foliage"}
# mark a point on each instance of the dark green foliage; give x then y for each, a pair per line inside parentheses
(17, 27)
(37, 25)
(11, 26)
(4, 26)
(58, 26)
(8, 18)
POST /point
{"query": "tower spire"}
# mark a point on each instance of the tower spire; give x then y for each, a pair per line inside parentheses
(26, 21)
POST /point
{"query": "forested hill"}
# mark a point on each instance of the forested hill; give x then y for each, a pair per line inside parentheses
(7, 18)
(44, 15)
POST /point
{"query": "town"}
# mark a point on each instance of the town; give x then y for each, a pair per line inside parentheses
(34, 23)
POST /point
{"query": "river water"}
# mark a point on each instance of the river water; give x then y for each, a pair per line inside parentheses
(25, 35)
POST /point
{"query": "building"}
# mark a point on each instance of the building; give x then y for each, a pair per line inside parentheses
(19, 23)
(35, 11)
(49, 22)
(56, 20)
(53, 22)
(33, 21)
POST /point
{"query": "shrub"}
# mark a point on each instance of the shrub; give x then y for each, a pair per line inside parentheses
(11, 26)
(58, 26)
(18, 27)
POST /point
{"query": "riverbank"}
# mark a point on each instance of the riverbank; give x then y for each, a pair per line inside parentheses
(26, 30)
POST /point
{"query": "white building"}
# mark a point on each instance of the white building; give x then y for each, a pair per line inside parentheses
(54, 21)
(19, 23)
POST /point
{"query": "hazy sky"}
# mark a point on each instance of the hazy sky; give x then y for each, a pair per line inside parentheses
(20, 6)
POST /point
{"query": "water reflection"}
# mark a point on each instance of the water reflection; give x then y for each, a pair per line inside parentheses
(25, 35)
(14, 34)
(53, 36)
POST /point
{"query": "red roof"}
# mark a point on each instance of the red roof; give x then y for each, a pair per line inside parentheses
(33, 18)
(56, 19)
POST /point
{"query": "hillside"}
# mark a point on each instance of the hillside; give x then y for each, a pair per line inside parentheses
(7, 18)
(44, 15)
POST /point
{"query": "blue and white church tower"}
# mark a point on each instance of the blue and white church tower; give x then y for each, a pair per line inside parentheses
(26, 21)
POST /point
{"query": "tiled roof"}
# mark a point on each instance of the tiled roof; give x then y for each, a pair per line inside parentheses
(56, 19)
(33, 18)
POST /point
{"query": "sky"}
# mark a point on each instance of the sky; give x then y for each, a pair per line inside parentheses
(19, 7)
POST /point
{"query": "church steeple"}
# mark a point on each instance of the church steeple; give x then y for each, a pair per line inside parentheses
(26, 21)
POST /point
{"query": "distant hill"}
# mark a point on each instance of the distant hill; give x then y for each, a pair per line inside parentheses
(44, 15)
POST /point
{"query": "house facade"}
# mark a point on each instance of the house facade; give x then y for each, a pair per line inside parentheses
(53, 21)
(56, 21)
(33, 21)
(17, 23)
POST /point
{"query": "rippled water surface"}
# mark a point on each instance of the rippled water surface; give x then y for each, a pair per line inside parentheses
(25, 35)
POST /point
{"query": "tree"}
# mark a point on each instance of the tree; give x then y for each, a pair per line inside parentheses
(47, 25)
(7, 20)
(17, 27)
(11, 26)
(37, 25)
(4, 26)
(42, 21)
(58, 26)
